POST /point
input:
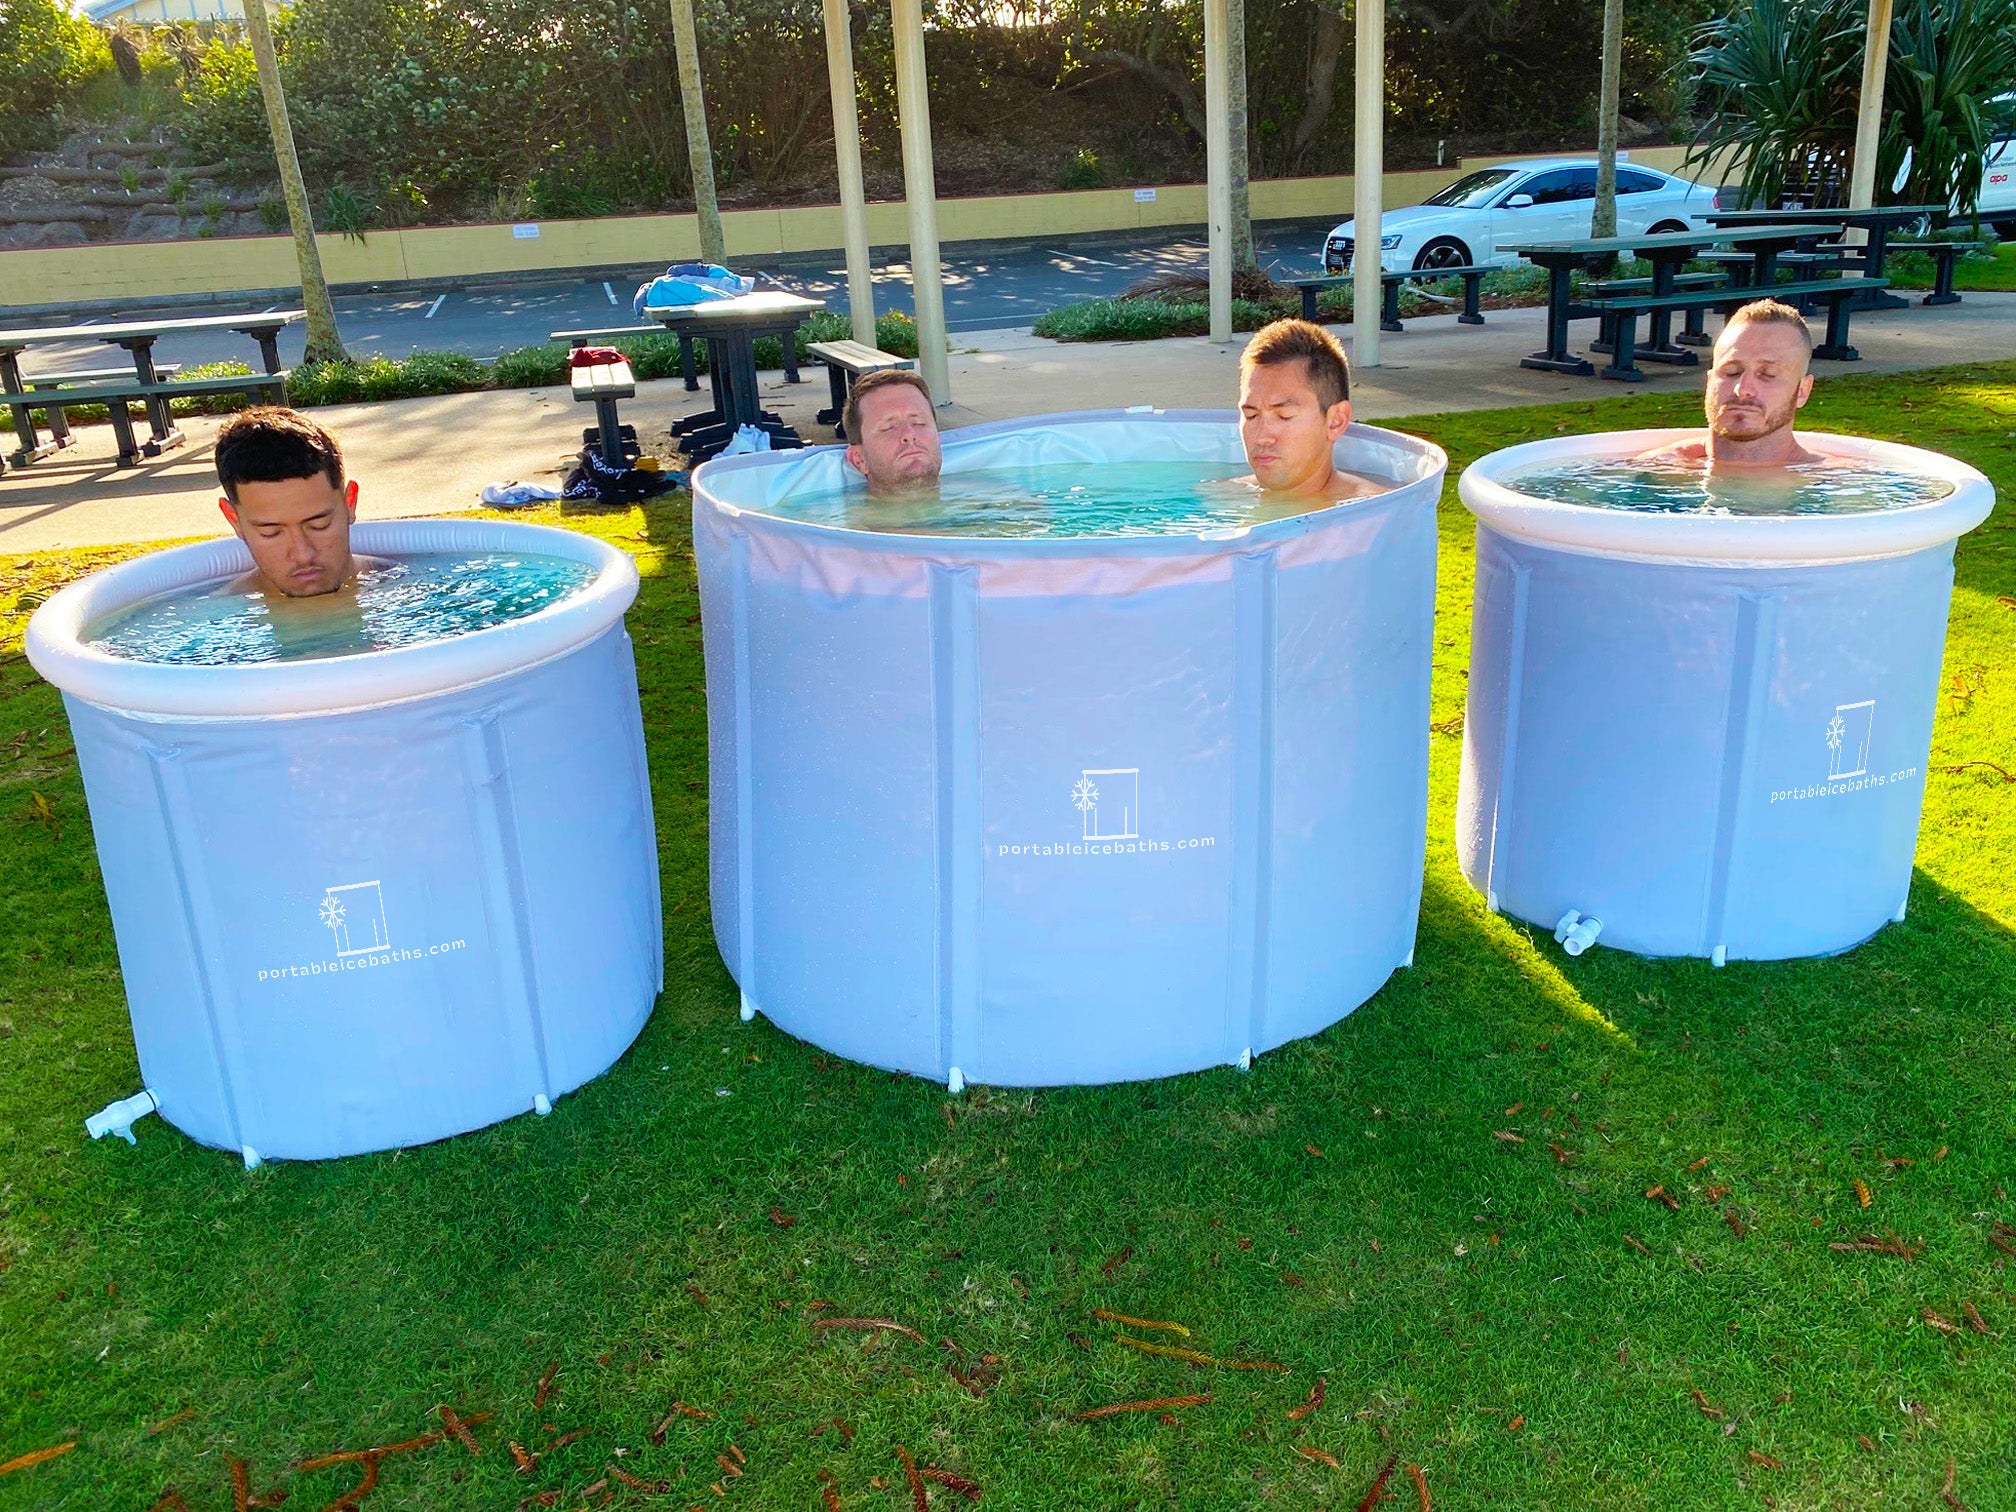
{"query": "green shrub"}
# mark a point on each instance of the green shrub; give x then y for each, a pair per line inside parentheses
(530, 367)
(46, 51)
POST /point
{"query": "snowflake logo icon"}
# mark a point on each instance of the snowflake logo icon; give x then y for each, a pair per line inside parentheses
(333, 913)
(1085, 794)
(1835, 730)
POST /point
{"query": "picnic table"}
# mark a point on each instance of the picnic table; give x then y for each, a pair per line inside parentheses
(1668, 252)
(1878, 222)
(730, 328)
(137, 337)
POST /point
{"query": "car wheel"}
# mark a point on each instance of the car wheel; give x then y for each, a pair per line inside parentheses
(1443, 252)
(1666, 226)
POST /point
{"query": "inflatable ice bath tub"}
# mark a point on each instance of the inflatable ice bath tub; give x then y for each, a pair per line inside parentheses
(1700, 735)
(1040, 811)
(371, 900)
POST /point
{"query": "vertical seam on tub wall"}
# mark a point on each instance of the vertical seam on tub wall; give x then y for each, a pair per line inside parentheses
(199, 912)
(1253, 669)
(493, 808)
(1508, 742)
(647, 839)
(955, 717)
(745, 781)
(1424, 523)
(1749, 683)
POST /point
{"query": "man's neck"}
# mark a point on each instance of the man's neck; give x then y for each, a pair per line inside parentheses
(1780, 448)
(1318, 483)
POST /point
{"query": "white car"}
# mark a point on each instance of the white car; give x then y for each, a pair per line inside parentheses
(1545, 199)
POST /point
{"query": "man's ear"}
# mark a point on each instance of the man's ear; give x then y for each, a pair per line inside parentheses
(856, 461)
(230, 511)
(1805, 390)
(350, 497)
(1337, 418)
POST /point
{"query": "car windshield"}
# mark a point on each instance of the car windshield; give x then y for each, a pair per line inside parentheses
(1472, 190)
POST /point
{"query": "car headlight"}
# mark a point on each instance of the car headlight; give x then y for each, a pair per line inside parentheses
(1388, 243)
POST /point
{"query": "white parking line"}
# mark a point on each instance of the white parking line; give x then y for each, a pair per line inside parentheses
(438, 298)
(609, 291)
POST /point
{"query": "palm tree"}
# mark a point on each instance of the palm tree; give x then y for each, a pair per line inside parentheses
(1603, 219)
(325, 343)
(1242, 185)
(698, 149)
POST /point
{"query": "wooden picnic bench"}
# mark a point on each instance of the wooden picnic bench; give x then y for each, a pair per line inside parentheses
(1943, 254)
(730, 327)
(846, 362)
(1668, 252)
(602, 384)
(52, 392)
(1840, 295)
(1389, 292)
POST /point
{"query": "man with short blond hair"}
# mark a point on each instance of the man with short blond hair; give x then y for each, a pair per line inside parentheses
(1758, 381)
(892, 432)
(1294, 406)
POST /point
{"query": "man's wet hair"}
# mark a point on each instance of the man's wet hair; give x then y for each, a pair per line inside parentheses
(1308, 343)
(269, 444)
(1770, 312)
(868, 383)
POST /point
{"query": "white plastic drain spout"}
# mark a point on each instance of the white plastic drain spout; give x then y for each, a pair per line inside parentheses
(119, 1117)
(1579, 936)
(955, 1082)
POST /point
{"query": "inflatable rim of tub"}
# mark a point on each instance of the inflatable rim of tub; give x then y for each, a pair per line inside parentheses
(1769, 540)
(1424, 458)
(319, 685)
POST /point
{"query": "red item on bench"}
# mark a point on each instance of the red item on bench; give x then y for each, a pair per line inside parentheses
(594, 356)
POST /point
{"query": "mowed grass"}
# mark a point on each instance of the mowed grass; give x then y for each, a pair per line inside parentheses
(1526, 1326)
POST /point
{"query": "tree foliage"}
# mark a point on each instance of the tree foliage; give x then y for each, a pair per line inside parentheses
(1780, 81)
(46, 51)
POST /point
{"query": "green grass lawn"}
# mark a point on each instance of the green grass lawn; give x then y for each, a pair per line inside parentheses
(1993, 269)
(1531, 1331)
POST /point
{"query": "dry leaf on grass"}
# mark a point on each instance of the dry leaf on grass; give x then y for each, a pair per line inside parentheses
(1862, 1192)
(1105, 1315)
(545, 1386)
(1196, 1357)
(172, 1421)
(1508, 1136)
(1759, 1457)
(1421, 1488)
(959, 1483)
(1320, 1456)
(1708, 1408)
(1658, 1193)
(1315, 1400)
(1116, 1262)
(1378, 1488)
(918, 1499)
(37, 1457)
(870, 1325)
(1151, 1404)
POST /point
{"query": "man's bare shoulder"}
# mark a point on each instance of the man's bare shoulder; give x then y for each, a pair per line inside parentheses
(1681, 451)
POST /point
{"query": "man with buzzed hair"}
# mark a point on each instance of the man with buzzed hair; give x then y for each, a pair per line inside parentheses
(1758, 382)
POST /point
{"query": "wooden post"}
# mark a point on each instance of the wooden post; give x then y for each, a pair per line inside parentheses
(920, 194)
(699, 149)
(1869, 119)
(847, 157)
(1368, 183)
(1218, 165)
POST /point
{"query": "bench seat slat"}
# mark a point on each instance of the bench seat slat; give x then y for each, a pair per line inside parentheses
(132, 388)
(1743, 294)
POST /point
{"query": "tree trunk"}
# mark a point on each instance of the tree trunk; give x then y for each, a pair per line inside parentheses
(1240, 161)
(325, 343)
(1603, 219)
(1178, 85)
(1326, 50)
(699, 150)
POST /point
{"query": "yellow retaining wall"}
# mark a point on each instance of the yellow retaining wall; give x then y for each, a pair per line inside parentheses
(133, 271)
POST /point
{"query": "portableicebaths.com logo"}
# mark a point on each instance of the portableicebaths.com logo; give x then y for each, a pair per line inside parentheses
(1846, 737)
(354, 915)
(1109, 823)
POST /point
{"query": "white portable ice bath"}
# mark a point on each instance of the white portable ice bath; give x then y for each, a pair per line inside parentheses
(1066, 810)
(370, 900)
(1702, 735)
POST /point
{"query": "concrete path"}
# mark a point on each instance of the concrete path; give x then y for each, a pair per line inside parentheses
(431, 456)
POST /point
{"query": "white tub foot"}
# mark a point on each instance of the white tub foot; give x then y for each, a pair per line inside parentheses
(1245, 1061)
(748, 1008)
(1491, 902)
(252, 1160)
(1407, 961)
(1719, 956)
(1898, 917)
(540, 1105)
(955, 1082)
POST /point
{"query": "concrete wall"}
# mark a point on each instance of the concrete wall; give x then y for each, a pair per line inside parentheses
(129, 272)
